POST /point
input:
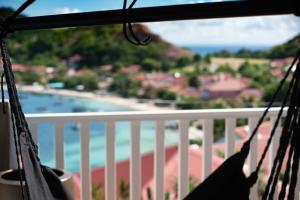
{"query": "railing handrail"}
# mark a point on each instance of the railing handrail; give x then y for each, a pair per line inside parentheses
(156, 115)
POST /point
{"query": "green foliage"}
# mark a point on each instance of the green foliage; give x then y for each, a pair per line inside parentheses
(166, 94)
(89, 80)
(219, 129)
(186, 103)
(260, 75)
(150, 64)
(124, 85)
(290, 48)
(287, 49)
(223, 53)
(184, 61)
(196, 141)
(167, 196)
(149, 194)
(97, 45)
(149, 93)
(226, 68)
(98, 192)
(221, 154)
(28, 77)
(124, 190)
(117, 66)
(218, 104)
(193, 81)
(269, 90)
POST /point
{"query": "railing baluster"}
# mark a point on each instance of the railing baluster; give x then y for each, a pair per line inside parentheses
(85, 170)
(274, 147)
(229, 137)
(207, 148)
(110, 180)
(135, 161)
(59, 145)
(159, 160)
(183, 176)
(253, 156)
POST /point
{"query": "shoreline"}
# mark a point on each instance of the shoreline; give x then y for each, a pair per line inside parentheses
(131, 103)
(128, 102)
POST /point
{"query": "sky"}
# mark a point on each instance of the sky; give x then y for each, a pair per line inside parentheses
(246, 31)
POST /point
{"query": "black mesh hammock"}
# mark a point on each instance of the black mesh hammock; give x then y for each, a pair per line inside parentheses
(38, 182)
(229, 180)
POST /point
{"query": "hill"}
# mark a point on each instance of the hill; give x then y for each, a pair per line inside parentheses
(284, 50)
(96, 45)
(287, 49)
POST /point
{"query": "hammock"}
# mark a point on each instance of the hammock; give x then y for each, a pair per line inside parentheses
(229, 180)
(37, 182)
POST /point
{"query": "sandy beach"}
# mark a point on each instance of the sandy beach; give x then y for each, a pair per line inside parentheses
(132, 103)
(129, 102)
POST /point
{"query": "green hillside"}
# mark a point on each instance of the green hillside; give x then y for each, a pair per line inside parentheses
(284, 50)
(97, 45)
(287, 49)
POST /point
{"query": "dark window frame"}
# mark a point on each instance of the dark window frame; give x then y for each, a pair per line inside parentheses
(162, 13)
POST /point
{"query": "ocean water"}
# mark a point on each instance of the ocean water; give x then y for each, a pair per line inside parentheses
(44, 103)
(204, 50)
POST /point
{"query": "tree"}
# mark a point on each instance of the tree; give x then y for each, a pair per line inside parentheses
(226, 68)
(260, 75)
(166, 94)
(124, 190)
(150, 64)
(124, 85)
(29, 77)
(270, 90)
(89, 80)
(193, 81)
(184, 61)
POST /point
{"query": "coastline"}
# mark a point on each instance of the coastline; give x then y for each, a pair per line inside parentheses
(132, 103)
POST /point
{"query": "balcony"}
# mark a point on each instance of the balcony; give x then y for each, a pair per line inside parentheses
(182, 118)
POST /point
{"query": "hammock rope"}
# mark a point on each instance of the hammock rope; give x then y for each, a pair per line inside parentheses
(229, 181)
(36, 181)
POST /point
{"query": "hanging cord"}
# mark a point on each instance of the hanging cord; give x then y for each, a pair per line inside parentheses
(13, 116)
(287, 174)
(15, 105)
(295, 164)
(292, 156)
(275, 96)
(286, 137)
(278, 118)
(284, 140)
(126, 23)
(19, 112)
(2, 94)
(4, 30)
(247, 143)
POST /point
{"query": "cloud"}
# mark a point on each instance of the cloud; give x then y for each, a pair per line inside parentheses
(66, 10)
(268, 30)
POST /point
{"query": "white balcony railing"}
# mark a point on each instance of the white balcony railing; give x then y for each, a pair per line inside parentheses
(160, 117)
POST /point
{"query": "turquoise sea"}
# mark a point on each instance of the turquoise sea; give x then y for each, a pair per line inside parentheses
(44, 103)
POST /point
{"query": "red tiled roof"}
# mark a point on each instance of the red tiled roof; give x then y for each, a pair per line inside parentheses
(229, 85)
(186, 91)
(37, 69)
(131, 69)
(195, 169)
